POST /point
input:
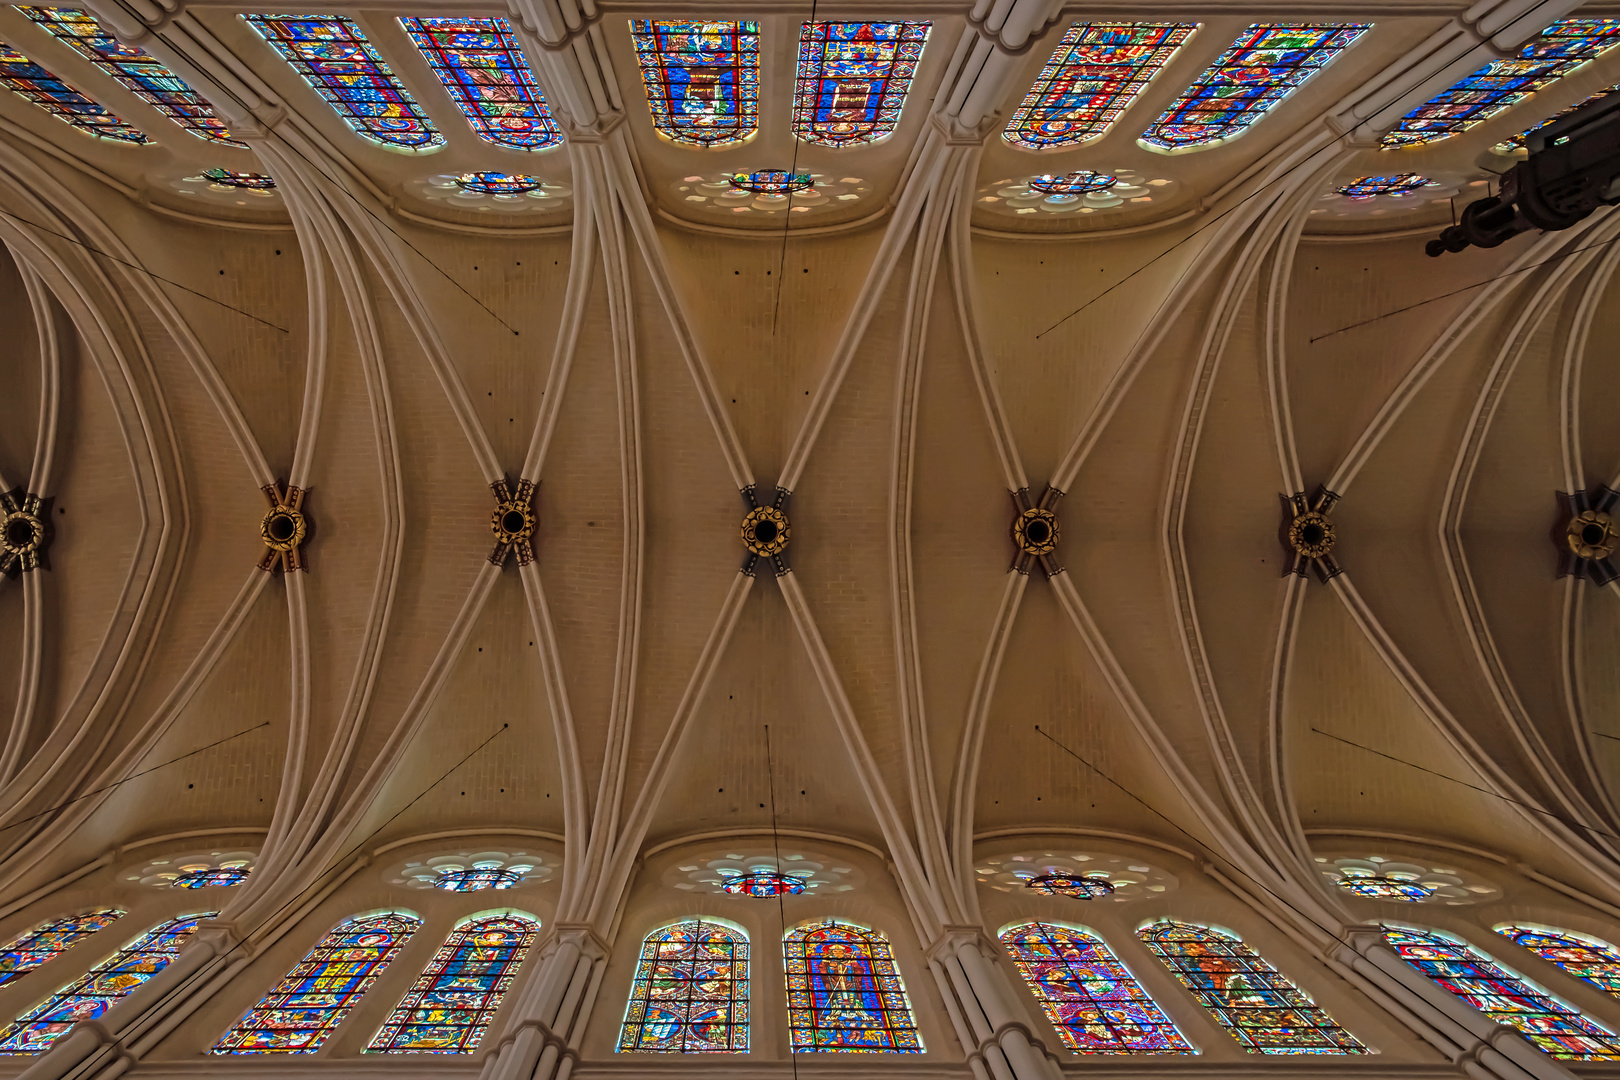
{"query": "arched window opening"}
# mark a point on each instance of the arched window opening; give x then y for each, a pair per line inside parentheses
(334, 57)
(308, 1005)
(853, 79)
(1096, 1005)
(455, 997)
(39, 87)
(482, 66)
(690, 994)
(47, 941)
(702, 78)
(844, 992)
(1504, 995)
(1586, 958)
(100, 988)
(1097, 70)
(1554, 53)
(135, 69)
(1263, 66)
(1264, 1011)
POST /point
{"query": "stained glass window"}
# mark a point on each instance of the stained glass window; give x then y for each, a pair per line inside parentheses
(1589, 959)
(482, 66)
(223, 876)
(456, 996)
(764, 883)
(1557, 51)
(1076, 885)
(1503, 995)
(335, 58)
(485, 877)
(135, 69)
(1076, 183)
(772, 182)
(690, 995)
(702, 78)
(487, 183)
(1257, 1004)
(853, 78)
(1095, 73)
(100, 988)
(47, 941)
(56, 97)
(1366, 187)
(1514, 142)
(307, 1006)
(1263, 66)
(1095, 1004)
(844, 992)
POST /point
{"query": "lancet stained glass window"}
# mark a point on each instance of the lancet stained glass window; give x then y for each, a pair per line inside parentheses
(307, 1006)
(334, 57)
(47, 941)
(456, 996)
(844, 992)
(1257, 1004)
(1588, 959)
(853, 78)
(100, 988)
(40, 87)
(481, 64)
(136, 69)
(702, 78)
(1514, 142)
(1095, 73)
(1557, 51)
(1096, 1005)
(1265, 64)
(1503, 995)
(690, 995)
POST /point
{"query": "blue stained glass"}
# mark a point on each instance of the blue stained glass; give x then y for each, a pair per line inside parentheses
(223, 876)
(1096, 1005)
(1097, 70)
(1503, 995)
(845, 993)
(702, 78)
(1366, 187)
(766, 883)
(455, 997)
(1265, 63)
(1557, 51)
(486, 877)
(100, 988)
(307, 1006)
(1261, 1008)
(481, 64)
(691, 992)
(135, 69)
(853, 79)
(1514, 142)
(1588, 959)
(334, 57)
(1079, 886)
(47, 941)
(40, 87)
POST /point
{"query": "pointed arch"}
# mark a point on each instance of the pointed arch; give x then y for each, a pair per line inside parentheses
(1259, 1006)
(100, 988)
(452, 1002)
(845, 994)
(1095, 1003)
(45, 942)
(307, 1006)
(1503, 994)
(690, 994)
(1589, 959)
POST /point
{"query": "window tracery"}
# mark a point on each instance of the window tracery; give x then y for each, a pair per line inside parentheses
(853, 78)
(1587, 958)
(100, 988)
(1503, 995)
(483, 68)
(1367, 187)
(766, 883)
(134, 68)
(334, 57)
(476, 878)
(48, 940)
(1260, 1007)
(1557, 51)
(1095, 73)
(845, 993)
(225, 877)
(1096, 1005)
(452, 1002)
(1263, 66)
(303, 1010)
(690, 994)
(39, 87)
(702, 78)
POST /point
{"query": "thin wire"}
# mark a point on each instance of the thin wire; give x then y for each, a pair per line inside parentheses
(787, 220)
(781, 902)
(134, 776)
(141, 269)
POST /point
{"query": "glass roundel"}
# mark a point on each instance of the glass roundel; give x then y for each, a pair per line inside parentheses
(1076, 183)
(1384, 888)
(764, 883)
(690, 994)
(772, 182)
(39, 87)
(1365, 187)
(449, 1007)
(844, 992)
(483, 68)
(1096, 1005)
(853, 78)
(1587, 958)
(476, 878)
(702, 78)
(1079, 886)
(47, 941)
(1097, 70)
(224, 877)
